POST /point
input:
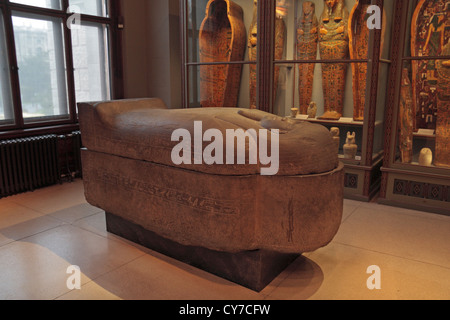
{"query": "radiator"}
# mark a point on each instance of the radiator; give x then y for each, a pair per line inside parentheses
(28, 164)
(70, 156)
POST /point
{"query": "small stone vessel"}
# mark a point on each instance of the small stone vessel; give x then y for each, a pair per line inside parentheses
(426, 157)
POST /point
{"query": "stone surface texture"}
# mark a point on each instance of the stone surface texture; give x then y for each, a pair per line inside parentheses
(127, 171)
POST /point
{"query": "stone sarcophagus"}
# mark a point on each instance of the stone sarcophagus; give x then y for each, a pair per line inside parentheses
(223, 216)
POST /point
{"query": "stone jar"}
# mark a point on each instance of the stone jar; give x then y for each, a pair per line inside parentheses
(426, 157)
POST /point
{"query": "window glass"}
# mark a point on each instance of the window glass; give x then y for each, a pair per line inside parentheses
(6, 104)
(90, 7)
(40, 57)
(50, 4)
(91, 62)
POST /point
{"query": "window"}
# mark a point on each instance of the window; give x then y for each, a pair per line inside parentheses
(91, 62)
(53, 55)
(40, 58)
(51, 4)
(6, 109)
(90, 7)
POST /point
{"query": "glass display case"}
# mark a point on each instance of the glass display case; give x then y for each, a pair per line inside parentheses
(325, 62)
(334, 73)
(416, 170)
(219, 53)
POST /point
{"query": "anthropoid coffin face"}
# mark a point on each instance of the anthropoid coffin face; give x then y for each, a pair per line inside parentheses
(331, 3)
(308, 7)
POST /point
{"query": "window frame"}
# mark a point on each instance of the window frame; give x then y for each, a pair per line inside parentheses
(22, 128)
(7, 75)
(108, 85)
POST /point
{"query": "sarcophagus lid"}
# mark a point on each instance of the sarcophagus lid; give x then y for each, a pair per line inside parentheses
(145, 133)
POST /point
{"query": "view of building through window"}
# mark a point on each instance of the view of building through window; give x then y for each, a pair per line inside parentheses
(41, 62)
(40, 49)
(90, 7)
(91, 62)
(50, 4)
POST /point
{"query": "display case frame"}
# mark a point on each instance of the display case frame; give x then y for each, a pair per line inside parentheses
(409, 184)
(363, 175)
(193, 15)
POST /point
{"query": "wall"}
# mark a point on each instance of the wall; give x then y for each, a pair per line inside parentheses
(151, 49)
(135, 48)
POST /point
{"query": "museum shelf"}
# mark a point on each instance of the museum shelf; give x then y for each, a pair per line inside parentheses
(363, 175)
(416, 167)
(272, 69)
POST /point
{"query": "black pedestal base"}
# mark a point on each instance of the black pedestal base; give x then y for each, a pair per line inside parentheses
(251, 269)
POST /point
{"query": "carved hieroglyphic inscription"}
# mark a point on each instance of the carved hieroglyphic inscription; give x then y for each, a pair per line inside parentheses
(216, 206)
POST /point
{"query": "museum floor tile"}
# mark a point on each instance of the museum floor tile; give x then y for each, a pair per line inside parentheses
(45, 232)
